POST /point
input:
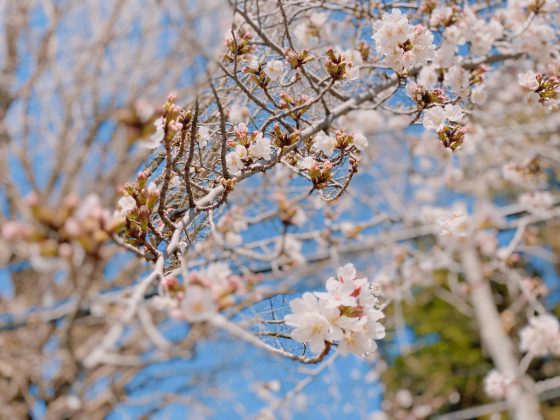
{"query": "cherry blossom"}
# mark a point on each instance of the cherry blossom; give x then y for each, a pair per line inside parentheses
(126, 204)
(261, 148)
(275, 69)
(198, 304)
(541, 336)
(310, 325)
(496, 384)
(238, 113)
(325, 143)
(455, 223)
(402, 44)
(436, 118)
(360, 141)
(346, 314)
(157, 137)
(303, 138)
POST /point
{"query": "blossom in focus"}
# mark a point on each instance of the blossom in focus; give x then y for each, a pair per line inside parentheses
(339, 293)
(310, 326)
(234, 159)
(346, 272)
(261, 148)
(346, 315)
(436, 117)
(403, 45)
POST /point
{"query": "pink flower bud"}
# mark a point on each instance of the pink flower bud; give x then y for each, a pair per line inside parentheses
(169, 282)
(144, 213)
(65, 250)
(14, 230)
(32, 199)
(71, 200)
(72, 227)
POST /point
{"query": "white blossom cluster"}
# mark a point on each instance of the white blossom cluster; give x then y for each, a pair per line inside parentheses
(541, 337)
(437, 118)
(455, 223)
(537, 202)
(327, 144)
(252, 146)
(202, 294)
(403, 45)
(496, 384)
(345, 315)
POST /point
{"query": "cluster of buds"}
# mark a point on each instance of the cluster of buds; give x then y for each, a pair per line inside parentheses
(452, 136)
(228, 184)
(337, 65)
(174, 120)
(529, 173)
(176, 117)
(320, 174)
(239, 45)
(204, 293)
(364, 50)
(59, 233)
(137, 206)
(543, 88)
(442, 16)
(137, 119)
(425, 97)
(297, 60)
(540, 6)
(344, 140)
(447, 123)
(284, 139)
(242, 135)
(477, 76)
(258, 74)
(298, 103)
(428, 6)
(289, 212)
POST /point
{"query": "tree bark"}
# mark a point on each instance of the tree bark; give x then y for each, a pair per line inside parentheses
(521, 396)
